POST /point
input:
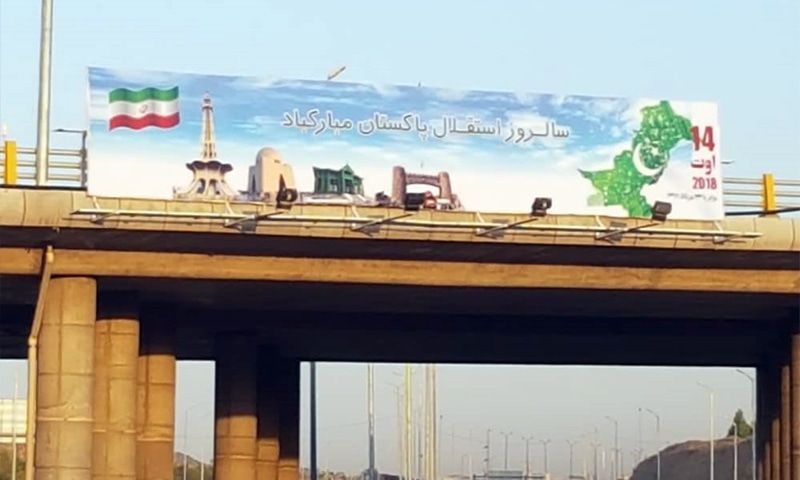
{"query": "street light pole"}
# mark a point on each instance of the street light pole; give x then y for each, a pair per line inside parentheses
(571, 444)
(617, 467)
(711, 428)
(528, 456)
(658, 442)
(752, 417)
(544, 447)
(45, 69)
(505, 449)
(371, 419)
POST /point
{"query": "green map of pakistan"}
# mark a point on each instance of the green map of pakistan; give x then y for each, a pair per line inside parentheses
(660, 132)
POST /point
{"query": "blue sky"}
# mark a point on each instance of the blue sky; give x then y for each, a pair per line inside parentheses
(743, 55)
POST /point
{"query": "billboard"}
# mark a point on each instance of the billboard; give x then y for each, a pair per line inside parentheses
(190, 136)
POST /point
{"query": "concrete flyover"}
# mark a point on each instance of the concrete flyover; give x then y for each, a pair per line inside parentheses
(259, 290)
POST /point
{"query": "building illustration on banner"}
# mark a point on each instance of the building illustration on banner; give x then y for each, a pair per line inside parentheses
(295, 141)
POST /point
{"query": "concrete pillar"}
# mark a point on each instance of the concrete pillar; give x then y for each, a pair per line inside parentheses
(795, 404)
(786, 432)
(236, 407)
(116, 356)
(64, 408)
(268, 447)
(289, 420)
(155, 407)
(775, 419)
(762, 416)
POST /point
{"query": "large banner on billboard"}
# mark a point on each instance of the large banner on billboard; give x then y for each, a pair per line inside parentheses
(189, 136)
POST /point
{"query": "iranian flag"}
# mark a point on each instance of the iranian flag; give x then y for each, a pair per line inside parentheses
(137, 109)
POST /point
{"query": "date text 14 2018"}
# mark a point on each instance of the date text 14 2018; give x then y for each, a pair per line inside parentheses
(704, 159)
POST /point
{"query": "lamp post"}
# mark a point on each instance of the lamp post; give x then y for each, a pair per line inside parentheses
(527, 456)
(544, 448)
(43, 114)
(571, 444)
(371, 419)
(617, 467)
(752, 416)
(186, 437)
(505, 449)
(312, 380)
(736, 450)
(658, 442)
(711, 428)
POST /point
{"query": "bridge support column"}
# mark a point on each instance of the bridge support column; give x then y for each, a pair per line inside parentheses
(775, 420)
(268, 446)
(236, 407)
(762, 421)
(116, 356)
(155, 409)
(786, 403)
(795, 404)
(64, 409)
(289, 420)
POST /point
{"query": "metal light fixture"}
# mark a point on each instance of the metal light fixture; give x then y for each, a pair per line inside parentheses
(661, 211)
(286, 197)
(540, 206)
(413, 201)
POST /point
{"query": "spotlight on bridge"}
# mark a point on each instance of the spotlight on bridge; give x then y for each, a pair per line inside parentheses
(286, 197)
(413, 201)
(661, 211)
(540, 206)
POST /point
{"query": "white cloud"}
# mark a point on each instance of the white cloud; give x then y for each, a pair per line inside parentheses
(253, 83)
(98, 104)
(146, 78)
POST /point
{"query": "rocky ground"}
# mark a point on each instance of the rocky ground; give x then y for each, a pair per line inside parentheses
(690, 461)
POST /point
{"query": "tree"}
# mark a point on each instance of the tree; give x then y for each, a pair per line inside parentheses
(741, 425)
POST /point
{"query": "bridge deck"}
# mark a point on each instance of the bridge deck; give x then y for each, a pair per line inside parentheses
(546, 292)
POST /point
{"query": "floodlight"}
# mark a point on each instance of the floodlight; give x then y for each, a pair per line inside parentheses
(661, 211)
(540, 206)
(286, 197)
(413, 201)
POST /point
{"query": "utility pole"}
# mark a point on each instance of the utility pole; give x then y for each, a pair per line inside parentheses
(544, 448)
(505, 449)
(371, 420)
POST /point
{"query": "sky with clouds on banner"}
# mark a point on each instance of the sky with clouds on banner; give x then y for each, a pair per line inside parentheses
(249, 113)
(743, 55)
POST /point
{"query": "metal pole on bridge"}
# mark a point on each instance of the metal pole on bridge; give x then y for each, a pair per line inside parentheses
(45, 68)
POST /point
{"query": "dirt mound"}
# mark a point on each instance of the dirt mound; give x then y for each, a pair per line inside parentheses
(690, 461)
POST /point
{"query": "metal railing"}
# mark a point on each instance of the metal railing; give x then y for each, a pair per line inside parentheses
(765, 195)
(18, 166)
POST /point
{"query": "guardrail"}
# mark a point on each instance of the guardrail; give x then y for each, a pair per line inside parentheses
(765, 195)
(69, 172)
